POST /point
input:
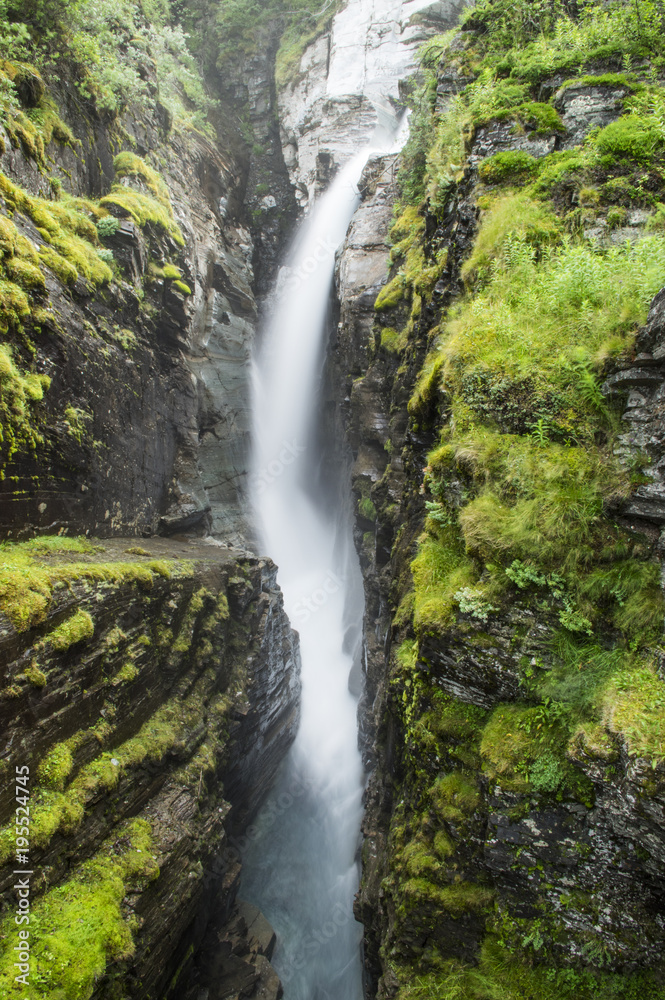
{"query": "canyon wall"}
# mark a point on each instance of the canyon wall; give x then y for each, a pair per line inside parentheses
(493, 384)
(513, 838)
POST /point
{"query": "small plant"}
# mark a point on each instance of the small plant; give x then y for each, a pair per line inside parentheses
(472, 602)
(107, 226)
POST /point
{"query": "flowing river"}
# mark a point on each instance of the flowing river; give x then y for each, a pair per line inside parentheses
(300, 867)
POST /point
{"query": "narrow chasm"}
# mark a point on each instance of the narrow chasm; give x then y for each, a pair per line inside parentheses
(332, 499)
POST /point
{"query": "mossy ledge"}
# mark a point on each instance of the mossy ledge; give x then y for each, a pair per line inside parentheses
(139, 663)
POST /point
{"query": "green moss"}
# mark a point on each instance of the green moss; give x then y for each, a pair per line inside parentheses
(391, 294)
(76, 420)
(56, 767)
(25, 274)
(631, 137)
(35, 676)
(60, 266)
(182, 287)
(54, 810)
(171, 272)
(393, 341)
(70, 235)
(14, 305)
(127, 673)
(144, 209)
(367, 509)
(127, 164)
(28, 579)
(613, 80)
(77, 928)
(19, 392)
(456, 899)
(427, 386)
(455, 796)
(509, 167)
(76, 629)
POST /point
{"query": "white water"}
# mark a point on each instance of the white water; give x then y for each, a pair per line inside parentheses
(300, 866)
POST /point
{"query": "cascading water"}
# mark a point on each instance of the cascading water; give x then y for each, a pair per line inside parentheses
(300, 866)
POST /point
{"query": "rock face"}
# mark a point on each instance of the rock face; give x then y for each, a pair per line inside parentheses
(348, 83)
(184, 681)
(643, 386)
(158, 376)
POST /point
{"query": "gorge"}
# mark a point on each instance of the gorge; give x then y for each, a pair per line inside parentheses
(331, 498)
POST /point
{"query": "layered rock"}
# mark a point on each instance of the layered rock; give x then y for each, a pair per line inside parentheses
(566, 865)
(153, 695)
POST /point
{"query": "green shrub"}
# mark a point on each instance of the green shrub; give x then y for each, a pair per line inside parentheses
(509, 167)
(107, 226)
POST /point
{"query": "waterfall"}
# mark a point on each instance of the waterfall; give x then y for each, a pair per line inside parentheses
(300, 866)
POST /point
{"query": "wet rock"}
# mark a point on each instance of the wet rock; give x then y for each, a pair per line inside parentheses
(584, 107)
(180, 642)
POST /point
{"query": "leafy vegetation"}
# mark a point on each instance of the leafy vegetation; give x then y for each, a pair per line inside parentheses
(501, 976)
(120, 49)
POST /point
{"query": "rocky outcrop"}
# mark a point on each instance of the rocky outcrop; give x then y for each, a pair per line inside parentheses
(155, 694)
(642, 386)
(152, 690)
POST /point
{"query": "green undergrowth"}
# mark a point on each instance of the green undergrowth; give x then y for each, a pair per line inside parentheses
(501, 976)
(114, 55)
(30, 576)
(33, 128)
(525, 556)
(77, 928)
(527, 42)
